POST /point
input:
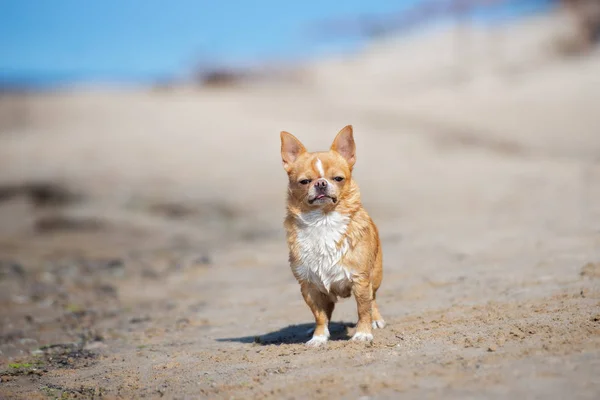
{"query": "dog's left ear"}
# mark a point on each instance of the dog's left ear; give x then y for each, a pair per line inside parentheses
(344, 145)
(291, 149)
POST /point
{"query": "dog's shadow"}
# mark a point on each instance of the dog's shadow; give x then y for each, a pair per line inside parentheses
(293, 334)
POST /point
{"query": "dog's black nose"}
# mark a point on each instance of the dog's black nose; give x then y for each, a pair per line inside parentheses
(321, 184)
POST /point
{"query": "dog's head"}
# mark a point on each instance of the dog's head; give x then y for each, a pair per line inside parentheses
(319, 180)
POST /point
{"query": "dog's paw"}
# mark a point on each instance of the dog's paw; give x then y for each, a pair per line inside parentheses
(317, 341)
(362, 337)
(311, 332)
(379, 324)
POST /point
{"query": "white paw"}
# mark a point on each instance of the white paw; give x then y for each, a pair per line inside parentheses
(311, 331)
(379, 324)
(317, 341)
(363, 337)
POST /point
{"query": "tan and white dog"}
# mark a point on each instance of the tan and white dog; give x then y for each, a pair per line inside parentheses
(333, 243)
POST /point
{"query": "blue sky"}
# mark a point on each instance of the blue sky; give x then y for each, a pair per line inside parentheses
(148, 39)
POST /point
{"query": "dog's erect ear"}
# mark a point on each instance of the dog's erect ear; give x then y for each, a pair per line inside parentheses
(291, 148)
(344, 144)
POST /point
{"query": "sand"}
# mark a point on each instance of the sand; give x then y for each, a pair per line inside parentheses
(142, 252)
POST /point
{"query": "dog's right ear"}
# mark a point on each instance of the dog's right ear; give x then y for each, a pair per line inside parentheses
(344, 145)
(291, 149)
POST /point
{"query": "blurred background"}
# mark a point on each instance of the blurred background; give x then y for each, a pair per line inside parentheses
(140, 165)
(138, 100)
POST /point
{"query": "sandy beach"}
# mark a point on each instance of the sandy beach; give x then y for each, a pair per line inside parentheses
(142, 252)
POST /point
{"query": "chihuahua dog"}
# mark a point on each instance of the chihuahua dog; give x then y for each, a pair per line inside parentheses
(333, 243)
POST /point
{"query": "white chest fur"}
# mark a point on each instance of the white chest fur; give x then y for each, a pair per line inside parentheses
(319, 237)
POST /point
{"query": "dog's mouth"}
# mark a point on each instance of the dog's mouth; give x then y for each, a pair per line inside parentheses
(322, 197)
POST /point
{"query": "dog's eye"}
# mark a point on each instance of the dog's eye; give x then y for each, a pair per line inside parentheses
(338, 178)
(305, 181)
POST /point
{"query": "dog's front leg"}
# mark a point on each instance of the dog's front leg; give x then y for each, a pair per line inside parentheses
(363, 292)
(321, 307)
